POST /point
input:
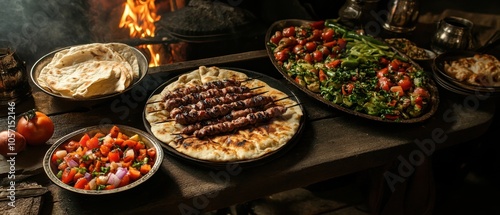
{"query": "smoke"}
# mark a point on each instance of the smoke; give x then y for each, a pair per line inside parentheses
(33, 28)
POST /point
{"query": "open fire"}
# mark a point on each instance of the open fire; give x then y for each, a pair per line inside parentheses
(139, 16)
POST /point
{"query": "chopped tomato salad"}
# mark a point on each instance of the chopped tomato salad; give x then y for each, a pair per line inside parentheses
(354, 71)
(103, 161)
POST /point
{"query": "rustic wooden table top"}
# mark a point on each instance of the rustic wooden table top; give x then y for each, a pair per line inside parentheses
(332, 144)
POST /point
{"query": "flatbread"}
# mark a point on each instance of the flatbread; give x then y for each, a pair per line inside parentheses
(90, 70)
(244, 144)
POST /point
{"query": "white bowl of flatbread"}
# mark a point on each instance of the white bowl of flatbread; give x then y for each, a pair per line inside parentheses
(89, 71)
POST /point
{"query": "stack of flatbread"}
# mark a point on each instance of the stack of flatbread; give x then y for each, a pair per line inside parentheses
(90, 70)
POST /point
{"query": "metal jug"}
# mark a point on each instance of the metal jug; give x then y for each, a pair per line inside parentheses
(402, 16)
(453, 33)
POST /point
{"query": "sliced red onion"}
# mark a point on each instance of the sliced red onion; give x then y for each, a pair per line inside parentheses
(120, 172)
(87, 176)
(72, 163)
(113, 180)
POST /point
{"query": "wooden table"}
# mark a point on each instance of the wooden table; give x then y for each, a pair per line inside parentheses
(332, 144)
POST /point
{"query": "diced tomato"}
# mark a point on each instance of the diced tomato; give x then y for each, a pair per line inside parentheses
(122, 136)
(315, 36)
(398, 89)
(84, 139)
(104, 150)
(394, 65)
(68, 175)
(92, 143)
(80, 183)
(392, 103)
(114, 131)
(421, 91)
(134, 174)
(130, 143)
(308, 58)
(311, 46)
(384, 83)
(391, 117)
(109, 187)
(139, 145)
(114, 155)
(125, 181)
(405, 83)
(347, 89)
(384, 62)
(99, 135)
(77, 176)
(322, 76)
(145, 168)
(382, 72)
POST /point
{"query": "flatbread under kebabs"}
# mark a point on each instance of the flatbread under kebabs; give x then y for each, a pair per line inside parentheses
(246, 143)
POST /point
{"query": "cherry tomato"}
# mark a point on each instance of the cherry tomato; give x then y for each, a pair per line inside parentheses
(11, 142)
(308, 58)
(316, 35)
(318, 56)
(276, 37)
(282, 55)
(298, 49)
(327, 35)
(36, 127)
(405, 83)
(289, 32)
(384, 62)
(324, 50)
(311, 46)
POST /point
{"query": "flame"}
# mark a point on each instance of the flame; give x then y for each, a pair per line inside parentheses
(139, 17)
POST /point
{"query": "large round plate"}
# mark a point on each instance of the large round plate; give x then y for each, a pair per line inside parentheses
(447, 81)
(243, 163)
(43, 61)
(280, 25)
(51, 169)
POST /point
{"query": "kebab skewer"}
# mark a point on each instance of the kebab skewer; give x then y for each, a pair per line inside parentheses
(249, 119)
(210, 102)
(193, 116)
(219, 84)
(231, 116)
(210, 93)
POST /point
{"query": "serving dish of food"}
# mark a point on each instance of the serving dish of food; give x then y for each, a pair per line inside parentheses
(469, 70)
(218, 116)
(103, 159)
(90, 71)
(410, 49)
(357, 74)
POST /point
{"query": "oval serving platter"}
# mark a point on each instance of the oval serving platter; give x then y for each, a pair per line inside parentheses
(242, 163)
(280, 25)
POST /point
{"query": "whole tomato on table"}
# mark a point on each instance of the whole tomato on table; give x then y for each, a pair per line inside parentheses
(36, 127)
